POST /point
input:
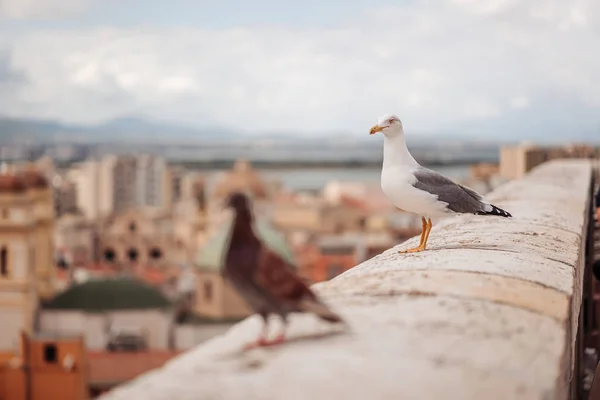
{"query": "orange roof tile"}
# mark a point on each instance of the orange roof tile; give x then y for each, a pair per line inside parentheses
(106, 368)
(353, 202)
(152, 276)
(62, 274)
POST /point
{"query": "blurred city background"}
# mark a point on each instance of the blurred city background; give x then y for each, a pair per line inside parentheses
(124, 125)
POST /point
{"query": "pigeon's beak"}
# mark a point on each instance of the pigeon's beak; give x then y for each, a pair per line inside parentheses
(376, 129)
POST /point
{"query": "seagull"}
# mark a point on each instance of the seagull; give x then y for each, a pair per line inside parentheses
(416, 189)
(267, 282)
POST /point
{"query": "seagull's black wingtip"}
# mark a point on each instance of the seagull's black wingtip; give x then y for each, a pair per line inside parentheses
(496, 211)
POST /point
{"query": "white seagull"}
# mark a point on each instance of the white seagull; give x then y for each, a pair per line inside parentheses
(419, 190)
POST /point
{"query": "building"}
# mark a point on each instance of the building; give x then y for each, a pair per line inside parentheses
(154, 187)
(110, 369)
(60, 367)
(65, 196)
(151, 239)
(18, 304)
(94, 181)
(242, 178)
(142, 236)
(26, 252)
(75, 240)
(326, 256)
(125, 183)
(516, 161)
(45, 367)
(111, 313)
(42, 229)
(119, 183)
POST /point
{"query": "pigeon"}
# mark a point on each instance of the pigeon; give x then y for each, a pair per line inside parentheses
(419, 190)
(267, 282)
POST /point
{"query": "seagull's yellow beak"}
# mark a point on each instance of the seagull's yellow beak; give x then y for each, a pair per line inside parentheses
(375, 129)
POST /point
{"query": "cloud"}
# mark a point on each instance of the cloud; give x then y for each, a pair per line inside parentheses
(20, 9)
(438, 66)
(8, 74)
(519, 102)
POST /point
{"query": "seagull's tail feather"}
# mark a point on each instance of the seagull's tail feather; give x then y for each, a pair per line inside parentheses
(491, 209)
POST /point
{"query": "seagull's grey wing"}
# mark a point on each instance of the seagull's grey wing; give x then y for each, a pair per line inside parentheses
(460, 199)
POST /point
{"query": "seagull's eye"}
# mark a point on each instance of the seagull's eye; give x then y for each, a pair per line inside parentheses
(392, 120)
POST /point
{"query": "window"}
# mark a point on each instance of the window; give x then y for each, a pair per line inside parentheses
(50, 353)
(109, 255)
(362, 223)
(5, 213)
(132, 254)
(4, 261)
(155, 253)
(132, 227)
(208, 291)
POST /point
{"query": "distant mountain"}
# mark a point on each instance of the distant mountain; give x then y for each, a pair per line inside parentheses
(13, 128)
(135, 129)
(120, 129)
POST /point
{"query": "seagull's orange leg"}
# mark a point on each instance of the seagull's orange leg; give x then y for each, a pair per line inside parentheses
(429, 226)
(424, 235)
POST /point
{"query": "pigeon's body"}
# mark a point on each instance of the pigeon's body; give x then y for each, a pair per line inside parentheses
(419, 190)
(262, 277)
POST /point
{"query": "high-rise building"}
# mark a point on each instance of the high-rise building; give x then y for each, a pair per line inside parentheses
(94, 180)
(151, 181)
(124, 180)
(119, 183)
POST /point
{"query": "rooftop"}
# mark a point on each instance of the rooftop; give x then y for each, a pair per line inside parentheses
(99, 295)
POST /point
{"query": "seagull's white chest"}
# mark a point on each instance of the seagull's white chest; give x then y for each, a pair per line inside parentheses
(397, 184)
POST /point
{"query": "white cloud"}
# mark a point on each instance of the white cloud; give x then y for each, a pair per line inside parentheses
(18, 9)
(435, 66)
(519, 102)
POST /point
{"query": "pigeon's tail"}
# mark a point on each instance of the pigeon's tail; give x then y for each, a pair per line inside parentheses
(491, 209)
(312, 305)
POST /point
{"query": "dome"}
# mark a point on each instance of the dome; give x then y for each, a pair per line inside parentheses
(243, 178)
(10, 183)
(111, 294)
(34, 179)
(210, 257)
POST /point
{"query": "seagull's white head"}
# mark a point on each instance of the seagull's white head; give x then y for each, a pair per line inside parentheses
(389, 125)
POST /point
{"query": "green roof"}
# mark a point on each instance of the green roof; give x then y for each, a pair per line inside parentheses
(195, 319)
(210, 256)
(111, 294)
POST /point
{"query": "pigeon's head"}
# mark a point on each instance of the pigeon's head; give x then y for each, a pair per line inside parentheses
(390, 126)
(238, 202)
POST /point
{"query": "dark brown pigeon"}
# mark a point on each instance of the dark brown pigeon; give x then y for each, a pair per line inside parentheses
(263, 278)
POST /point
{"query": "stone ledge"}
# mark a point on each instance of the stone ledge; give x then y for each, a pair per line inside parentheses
(487, 313)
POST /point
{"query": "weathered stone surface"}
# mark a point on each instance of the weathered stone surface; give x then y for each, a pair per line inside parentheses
(485, 313)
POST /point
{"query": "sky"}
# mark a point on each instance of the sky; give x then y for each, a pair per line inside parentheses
(458, 66)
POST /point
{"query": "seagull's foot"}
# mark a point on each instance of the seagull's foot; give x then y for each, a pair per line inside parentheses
(413, 250)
